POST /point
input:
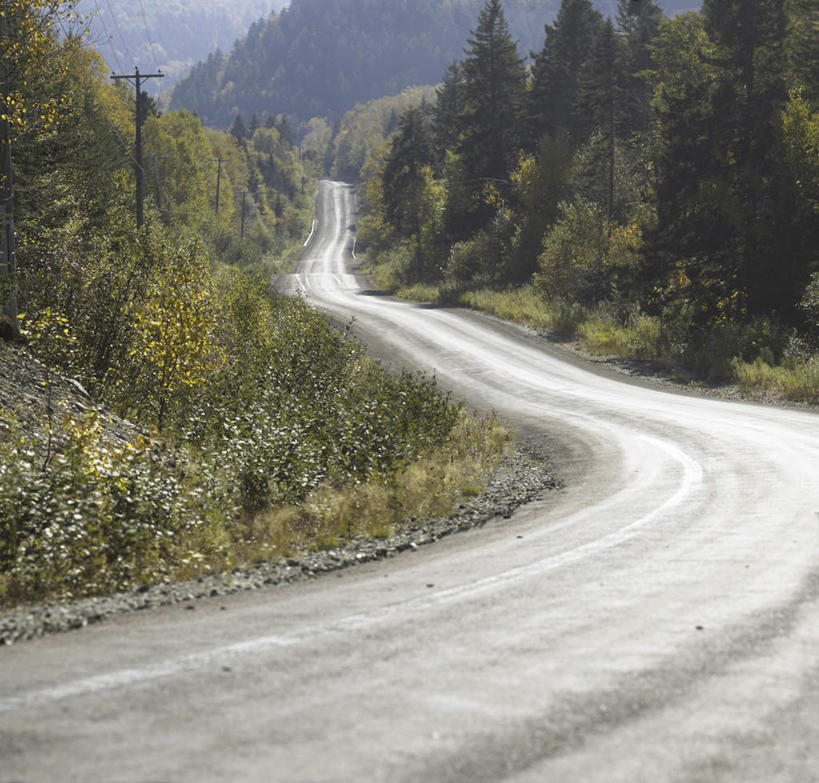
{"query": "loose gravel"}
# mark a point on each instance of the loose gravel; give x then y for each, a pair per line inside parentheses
(522, 477)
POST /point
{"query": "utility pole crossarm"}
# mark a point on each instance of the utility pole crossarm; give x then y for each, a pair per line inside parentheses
(138, 78)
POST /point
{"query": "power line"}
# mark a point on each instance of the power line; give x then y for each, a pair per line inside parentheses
(148, 34)
(108, 36)
(119, 32)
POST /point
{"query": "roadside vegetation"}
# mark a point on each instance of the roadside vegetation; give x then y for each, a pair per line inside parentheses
(225, 424)
(648, 188)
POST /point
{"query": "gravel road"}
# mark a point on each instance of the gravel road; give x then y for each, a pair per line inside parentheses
(655, 620)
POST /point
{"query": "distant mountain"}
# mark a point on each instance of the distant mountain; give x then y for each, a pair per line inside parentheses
(170, 34)
(320, 57)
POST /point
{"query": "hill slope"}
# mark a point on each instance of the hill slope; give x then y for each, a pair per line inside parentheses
(170, 34)
(320, 57)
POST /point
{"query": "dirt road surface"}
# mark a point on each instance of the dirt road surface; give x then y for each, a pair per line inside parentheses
(655, 620)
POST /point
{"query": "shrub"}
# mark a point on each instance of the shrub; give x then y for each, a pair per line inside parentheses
(92, 516)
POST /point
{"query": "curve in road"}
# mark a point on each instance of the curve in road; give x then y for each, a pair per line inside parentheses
(658, 619)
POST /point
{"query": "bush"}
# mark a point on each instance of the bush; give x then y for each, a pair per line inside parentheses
(90, 516)
(262, 405)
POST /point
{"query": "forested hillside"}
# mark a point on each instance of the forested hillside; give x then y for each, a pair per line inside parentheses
(172, 36)
(255, 427)
(320, 57)
(651, 186)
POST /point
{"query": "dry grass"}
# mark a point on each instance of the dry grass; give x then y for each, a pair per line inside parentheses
(429, 487)
(797, 381)
(524, 306)
(420, 292)
(642, 337)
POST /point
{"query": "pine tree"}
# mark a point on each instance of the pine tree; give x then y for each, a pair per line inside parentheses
(405, 180)
(410, 152)
(494, 87)
(746, 106)
(449, 106)
(238, 130)
(552, 100)
(732, 224)
(600, 102)
(638, 24)
(494, 84)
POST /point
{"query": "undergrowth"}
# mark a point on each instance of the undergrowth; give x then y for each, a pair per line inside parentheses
(269, 431)
(795, 380)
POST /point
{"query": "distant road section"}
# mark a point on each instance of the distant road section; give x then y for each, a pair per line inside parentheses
(656, 620)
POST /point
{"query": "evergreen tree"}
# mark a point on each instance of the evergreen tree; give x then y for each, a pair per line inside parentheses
(449, 108)
(405, 178)
(746, 108)
(494, 84)
(494, 87)
(410, 152)
(733, 229)
(239, 130)
(600, 102)
(638, 24)
(679, 260)
(552, 100)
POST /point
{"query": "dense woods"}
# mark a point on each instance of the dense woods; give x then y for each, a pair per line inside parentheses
(169, 34)
(254, 426)
(652, 180)
(320, 57)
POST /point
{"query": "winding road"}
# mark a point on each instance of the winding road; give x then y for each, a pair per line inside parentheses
(655, 620)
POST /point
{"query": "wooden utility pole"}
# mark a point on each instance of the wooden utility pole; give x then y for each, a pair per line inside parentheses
(138, 78)
(218, 180)
(8, 261)
(244, 198)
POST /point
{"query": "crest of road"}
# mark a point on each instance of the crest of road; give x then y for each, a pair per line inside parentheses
(657, 619)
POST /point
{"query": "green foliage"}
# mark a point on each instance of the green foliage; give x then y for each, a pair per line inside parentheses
(93, 516)
(587, 258)
(264, 403)
(493, 88)
(321, 57)
(31, 56)
(552, 105)
(367, 126)
(540, 184)
(252, 400)
(641, 336)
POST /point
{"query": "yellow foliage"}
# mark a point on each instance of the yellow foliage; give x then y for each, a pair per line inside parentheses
(173, 347)
(30, 53)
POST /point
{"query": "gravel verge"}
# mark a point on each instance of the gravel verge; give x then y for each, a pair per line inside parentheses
(522, 477)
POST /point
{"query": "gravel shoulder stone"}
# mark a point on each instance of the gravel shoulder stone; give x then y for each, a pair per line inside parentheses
(522, 477)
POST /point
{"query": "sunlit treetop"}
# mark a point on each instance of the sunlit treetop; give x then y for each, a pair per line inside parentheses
(30, 59)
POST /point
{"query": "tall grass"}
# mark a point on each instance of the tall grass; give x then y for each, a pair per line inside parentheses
(427, 487)
(641, 337)
(797, 381)
(524, 306)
